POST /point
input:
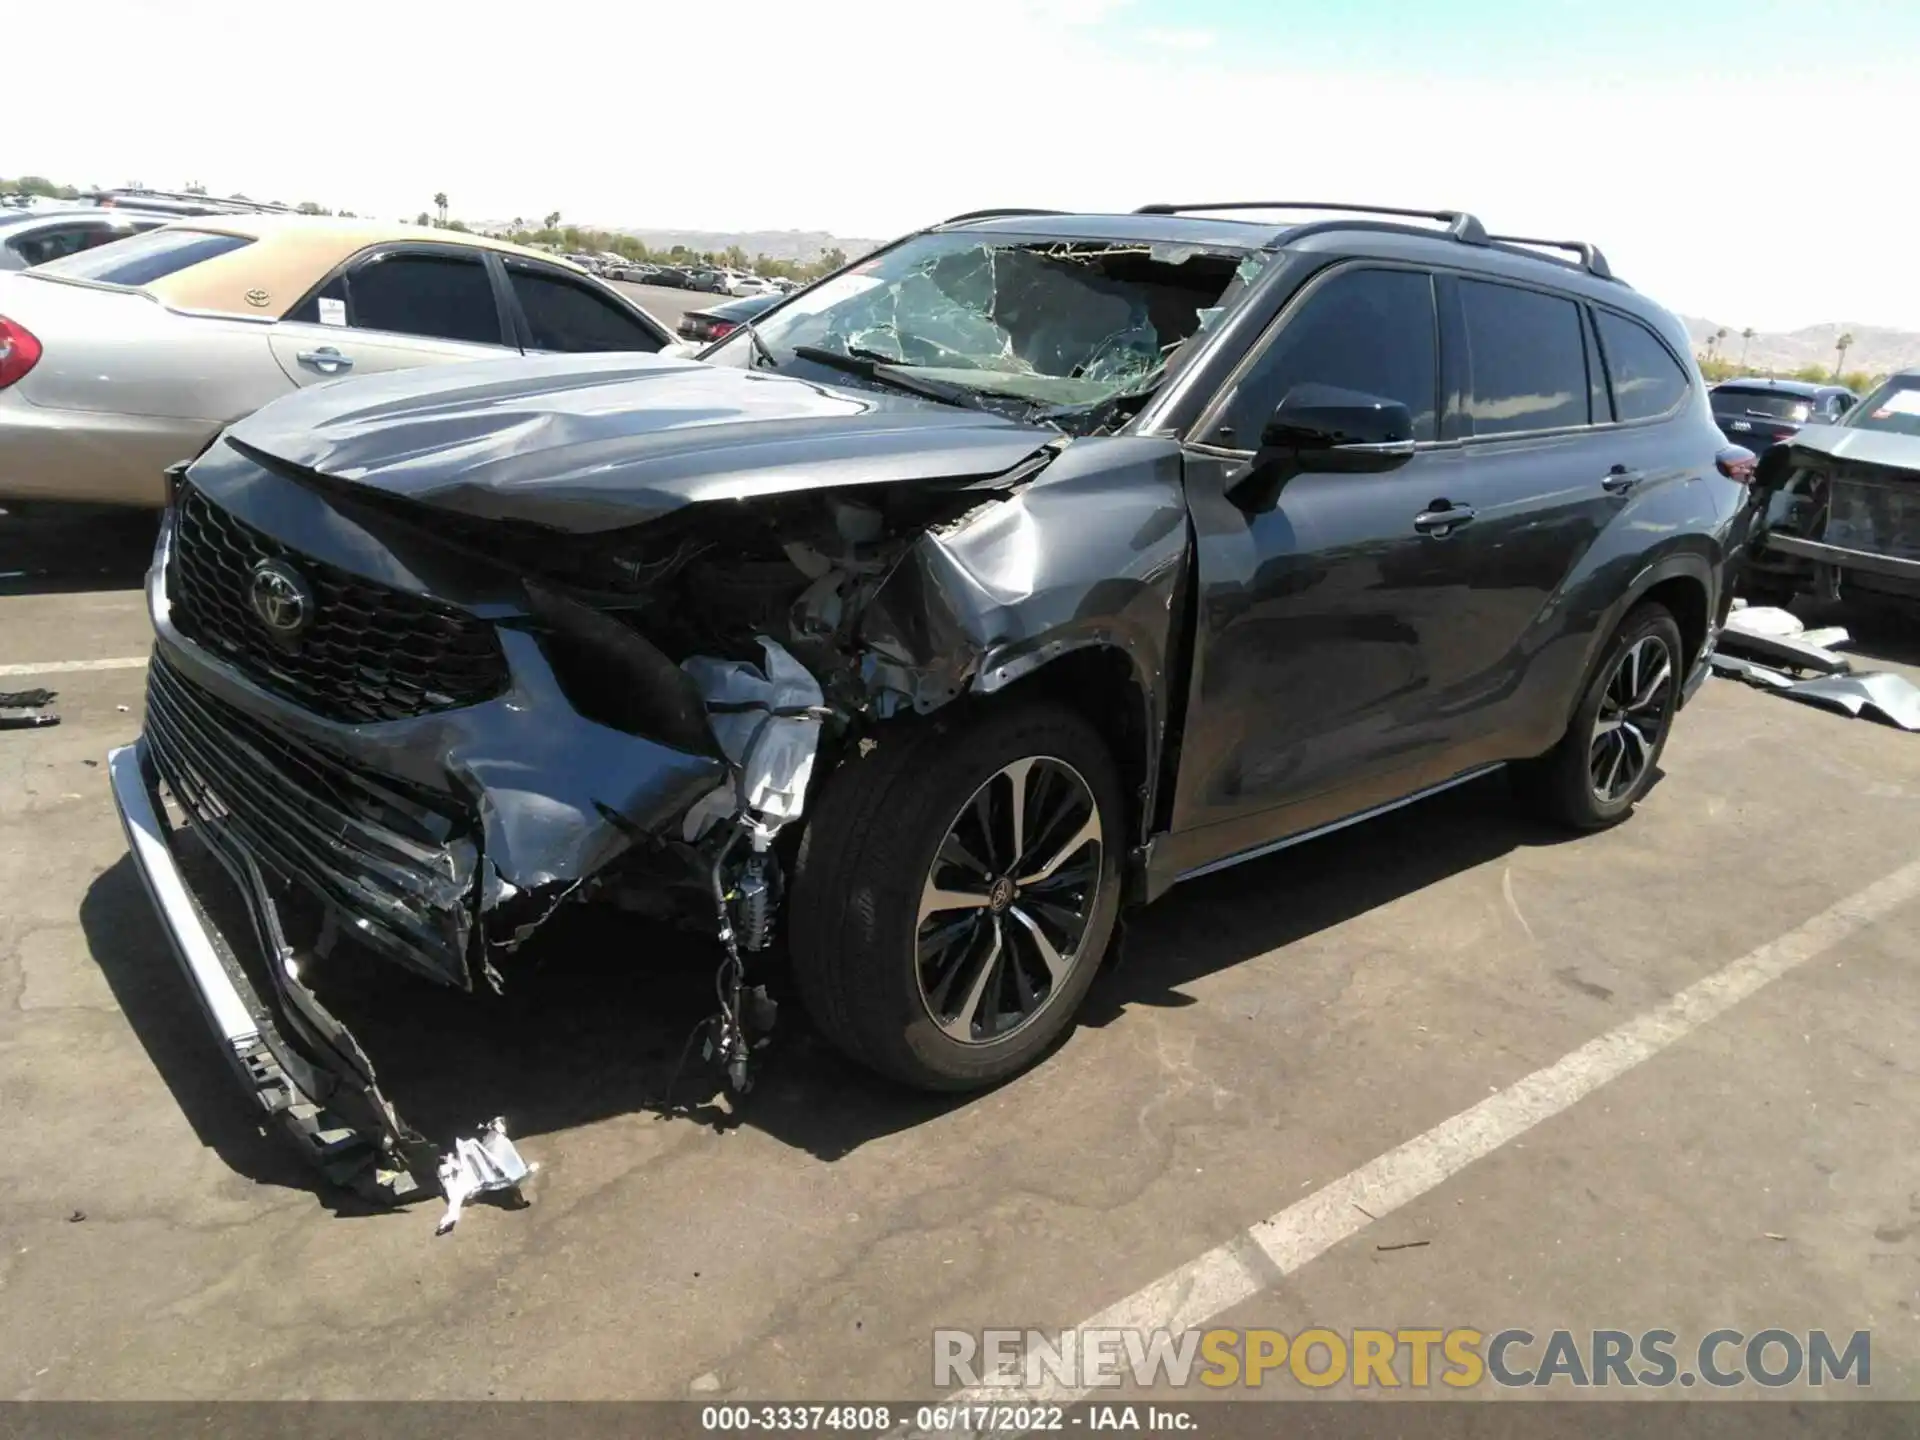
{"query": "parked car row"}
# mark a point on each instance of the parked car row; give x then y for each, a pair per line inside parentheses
(35, 229)
(915, 630)
(700, 277)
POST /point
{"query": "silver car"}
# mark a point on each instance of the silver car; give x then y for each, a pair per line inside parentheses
(33, 237)
(116, 363)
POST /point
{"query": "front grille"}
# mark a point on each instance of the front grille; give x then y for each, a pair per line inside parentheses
(397, 863)
(370, 652)
(1878, 515)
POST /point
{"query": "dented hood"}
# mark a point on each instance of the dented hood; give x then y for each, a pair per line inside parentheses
(595, 442)
(1868, 447)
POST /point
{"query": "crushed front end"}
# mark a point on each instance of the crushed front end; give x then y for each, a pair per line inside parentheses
(402, 772)
(423, 732)
(1840, 504)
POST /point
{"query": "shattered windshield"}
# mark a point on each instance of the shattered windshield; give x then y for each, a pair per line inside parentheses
(1894, 406)
(1044, 324)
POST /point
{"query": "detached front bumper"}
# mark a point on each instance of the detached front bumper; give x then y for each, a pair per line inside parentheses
(299, 1064)
(1844, 558)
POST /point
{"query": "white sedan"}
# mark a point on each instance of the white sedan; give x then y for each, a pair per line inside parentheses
(117, 362)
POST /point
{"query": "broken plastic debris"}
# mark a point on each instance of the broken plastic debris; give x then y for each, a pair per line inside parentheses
(477, 1166)
(1746, 670)
(1765, 620)
(1892, 697)
(767, 721)
(23, 709)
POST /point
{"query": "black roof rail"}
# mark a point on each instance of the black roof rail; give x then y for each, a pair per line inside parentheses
(1001, 213)
(1461, 225)
(1591, 260)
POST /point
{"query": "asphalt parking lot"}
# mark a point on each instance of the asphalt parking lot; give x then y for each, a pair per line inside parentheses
(1743, 1160)
(665, 304)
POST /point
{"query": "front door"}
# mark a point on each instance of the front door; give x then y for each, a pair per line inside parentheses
(1322, 641)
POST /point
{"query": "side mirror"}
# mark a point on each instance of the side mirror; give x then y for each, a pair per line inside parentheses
(1326, 429)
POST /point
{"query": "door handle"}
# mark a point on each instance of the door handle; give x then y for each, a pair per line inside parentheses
(1441, 519)
(325, 358)
(1619, 480)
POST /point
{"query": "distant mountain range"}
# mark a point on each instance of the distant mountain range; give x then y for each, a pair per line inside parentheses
(799, 245)
(1876, 349)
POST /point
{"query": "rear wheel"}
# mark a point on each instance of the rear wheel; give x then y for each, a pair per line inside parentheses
(1610, 753)
(955, 891)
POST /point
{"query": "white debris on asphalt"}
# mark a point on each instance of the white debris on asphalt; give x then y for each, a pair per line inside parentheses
(487, 1162)
(1765, 620)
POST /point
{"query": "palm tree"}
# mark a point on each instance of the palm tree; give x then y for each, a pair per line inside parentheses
(553, 221)
(518, 225)
(440, 204)
(1840, 348)
(1746, 339)
(1720, 336)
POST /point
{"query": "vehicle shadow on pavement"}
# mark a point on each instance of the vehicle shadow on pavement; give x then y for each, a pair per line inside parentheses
(1220, 920)
(125, 940)
(54, 549)
(597, 1024)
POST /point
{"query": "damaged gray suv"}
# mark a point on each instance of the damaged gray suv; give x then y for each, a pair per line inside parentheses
(1005, 578)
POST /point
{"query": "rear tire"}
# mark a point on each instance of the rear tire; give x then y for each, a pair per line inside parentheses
(928, 819)
(1610, 754)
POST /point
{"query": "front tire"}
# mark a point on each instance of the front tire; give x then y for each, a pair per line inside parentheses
(1608, 758)
(955, 891)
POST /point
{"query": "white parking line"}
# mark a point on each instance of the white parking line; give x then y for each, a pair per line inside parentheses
(1261, 1255)
(62, 667)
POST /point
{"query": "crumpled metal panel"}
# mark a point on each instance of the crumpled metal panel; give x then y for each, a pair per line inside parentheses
(1093, 554)
(1893, 698)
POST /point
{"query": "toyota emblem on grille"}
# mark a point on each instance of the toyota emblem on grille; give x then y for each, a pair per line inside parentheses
(282, 599)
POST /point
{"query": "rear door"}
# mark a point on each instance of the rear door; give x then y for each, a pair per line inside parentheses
(392, 308)
(1526, 395)
(561, 313)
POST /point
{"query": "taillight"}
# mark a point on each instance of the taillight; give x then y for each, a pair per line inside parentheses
(19, 351)
(720, 329)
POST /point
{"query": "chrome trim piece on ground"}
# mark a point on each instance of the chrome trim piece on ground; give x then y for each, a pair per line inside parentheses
(1314, 834)
(188, 937)
(336, 1116)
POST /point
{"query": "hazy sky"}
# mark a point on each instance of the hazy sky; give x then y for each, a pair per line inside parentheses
(1736, 160)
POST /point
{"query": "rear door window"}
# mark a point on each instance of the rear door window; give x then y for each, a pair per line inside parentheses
(1647, 381)
(1370, 331)
(442, 297)
(142, 259)
(1526, 360)
(563, 314)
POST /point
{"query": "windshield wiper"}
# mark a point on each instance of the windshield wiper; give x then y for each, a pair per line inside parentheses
(871, 366)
